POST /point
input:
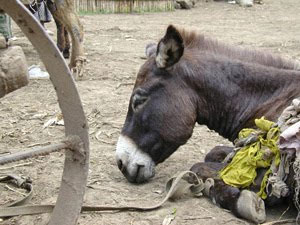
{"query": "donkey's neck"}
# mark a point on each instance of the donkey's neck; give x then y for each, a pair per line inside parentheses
(232, 94)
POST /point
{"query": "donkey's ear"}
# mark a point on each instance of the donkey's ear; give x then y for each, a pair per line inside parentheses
(150, 49)
(170, 48)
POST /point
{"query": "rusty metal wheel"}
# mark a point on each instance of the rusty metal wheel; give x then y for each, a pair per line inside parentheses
(75, 173)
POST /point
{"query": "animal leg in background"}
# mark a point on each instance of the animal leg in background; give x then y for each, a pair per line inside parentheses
(63, 41)
(65, 13)
(66, 51)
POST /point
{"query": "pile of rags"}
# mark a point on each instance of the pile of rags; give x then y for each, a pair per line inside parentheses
(274, 146)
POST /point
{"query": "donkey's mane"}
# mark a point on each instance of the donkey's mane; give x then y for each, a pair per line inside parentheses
(193, 40)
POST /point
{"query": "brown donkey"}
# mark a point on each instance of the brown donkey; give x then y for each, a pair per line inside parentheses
(189, 78)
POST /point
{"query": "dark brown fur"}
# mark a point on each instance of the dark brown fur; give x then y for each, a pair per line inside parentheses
(192, 40)
(192, 79)
(214, 84)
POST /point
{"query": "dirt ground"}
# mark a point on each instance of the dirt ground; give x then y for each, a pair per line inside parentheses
(114, 46)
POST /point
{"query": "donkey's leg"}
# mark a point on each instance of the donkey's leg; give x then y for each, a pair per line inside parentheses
(206, 170)
(242, 203)
(218, 154)
(251, 207)
(66, 51)
(65, 12)
(59, 27)
(60, 35)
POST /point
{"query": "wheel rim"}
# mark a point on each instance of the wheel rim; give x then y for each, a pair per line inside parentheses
(75, 173)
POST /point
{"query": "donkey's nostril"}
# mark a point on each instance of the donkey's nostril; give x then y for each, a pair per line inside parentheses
(139, 167)
(120, 164)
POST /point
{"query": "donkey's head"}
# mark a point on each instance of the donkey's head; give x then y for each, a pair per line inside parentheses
(161, 113)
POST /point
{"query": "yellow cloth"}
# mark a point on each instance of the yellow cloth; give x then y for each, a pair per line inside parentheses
(241, 171)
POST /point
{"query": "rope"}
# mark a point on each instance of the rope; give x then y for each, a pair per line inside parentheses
(173, 188)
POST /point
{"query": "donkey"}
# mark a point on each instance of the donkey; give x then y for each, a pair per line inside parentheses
(67, 22)
(66, 15)
(189, 78)
(63, 41)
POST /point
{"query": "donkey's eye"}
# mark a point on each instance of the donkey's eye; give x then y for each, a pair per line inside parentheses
(138, 101)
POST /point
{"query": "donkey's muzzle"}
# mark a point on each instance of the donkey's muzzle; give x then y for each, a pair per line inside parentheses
(136, 165)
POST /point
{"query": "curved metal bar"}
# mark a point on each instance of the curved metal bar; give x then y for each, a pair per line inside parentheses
(74, 178)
